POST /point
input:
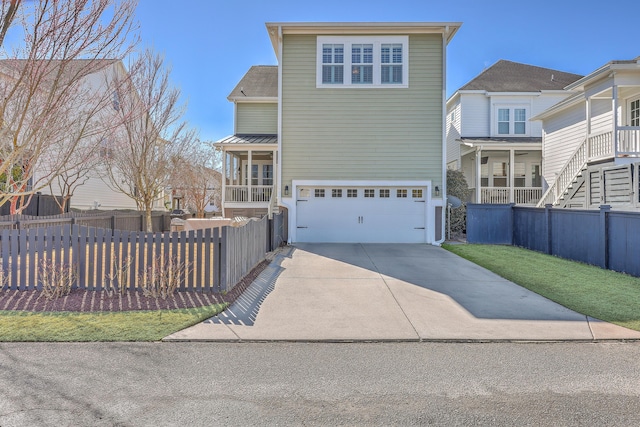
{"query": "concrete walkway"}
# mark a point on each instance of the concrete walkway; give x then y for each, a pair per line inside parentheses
(391, 292)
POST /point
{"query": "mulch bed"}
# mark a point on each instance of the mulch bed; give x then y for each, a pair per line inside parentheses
(80, 300)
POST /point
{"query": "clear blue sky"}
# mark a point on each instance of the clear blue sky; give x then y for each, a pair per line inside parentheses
(212, 43)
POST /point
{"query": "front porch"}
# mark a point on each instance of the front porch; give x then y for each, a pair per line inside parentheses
(248, 171)
(502, 171)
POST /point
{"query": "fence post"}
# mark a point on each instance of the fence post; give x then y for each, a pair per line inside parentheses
(113, 222)
(222, 257)
(604, 235)
(547, 216)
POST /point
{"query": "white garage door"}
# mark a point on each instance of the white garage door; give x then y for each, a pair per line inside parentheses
(361, 214)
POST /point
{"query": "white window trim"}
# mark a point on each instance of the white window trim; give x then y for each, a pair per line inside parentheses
(377, 41)
(629, 101)
(511, 108)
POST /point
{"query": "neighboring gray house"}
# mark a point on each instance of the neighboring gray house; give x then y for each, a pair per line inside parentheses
(346, 133)
(249, 154)
(489, 133)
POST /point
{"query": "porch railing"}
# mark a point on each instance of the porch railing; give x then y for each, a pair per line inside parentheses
(240, 193)
(501, 195)
(629, 141)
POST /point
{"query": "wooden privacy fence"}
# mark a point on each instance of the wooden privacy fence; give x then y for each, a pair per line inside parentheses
(209, 260)
(128, 221)
(606, 238)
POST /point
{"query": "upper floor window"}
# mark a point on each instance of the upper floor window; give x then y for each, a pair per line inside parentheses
(372, 61)
(362, 63)
(332, 63)
(511, 121)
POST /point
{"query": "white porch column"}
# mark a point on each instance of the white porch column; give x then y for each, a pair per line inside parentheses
(249, 175)
(478, 166)
(225, 156)
(614, 104)
(512, 166)
(588, 127)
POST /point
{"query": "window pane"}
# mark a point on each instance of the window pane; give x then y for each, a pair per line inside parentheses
(520, 114)
(536, 179)
(267, 174)
(519, 128)
(336, 192)
(503, 114)
(401, 193)
(362, 74)
(503, 128)
(384, 193)
(352, 192)
(319, 192)
(369, 192)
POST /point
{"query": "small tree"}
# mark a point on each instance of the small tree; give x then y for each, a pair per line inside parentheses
(196, 181)
(151, 132)
(457, 186)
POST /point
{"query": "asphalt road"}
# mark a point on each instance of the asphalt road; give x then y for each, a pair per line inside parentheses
(198, 384)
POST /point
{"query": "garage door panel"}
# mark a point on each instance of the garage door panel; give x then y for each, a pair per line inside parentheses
(360, 219)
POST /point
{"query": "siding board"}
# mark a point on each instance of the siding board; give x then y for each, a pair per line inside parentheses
(357, 133)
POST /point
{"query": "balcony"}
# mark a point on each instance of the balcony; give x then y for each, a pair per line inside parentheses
(244, 193)
(601, 146)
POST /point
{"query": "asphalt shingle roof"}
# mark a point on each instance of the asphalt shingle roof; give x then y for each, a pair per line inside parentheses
(508, 76)
(260, 81)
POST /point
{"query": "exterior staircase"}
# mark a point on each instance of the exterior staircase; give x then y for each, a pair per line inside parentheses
(567, 178)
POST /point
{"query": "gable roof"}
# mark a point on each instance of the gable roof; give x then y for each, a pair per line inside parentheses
(261, 81)
(508, 76)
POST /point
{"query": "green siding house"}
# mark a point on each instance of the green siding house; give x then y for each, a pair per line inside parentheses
(359, 150)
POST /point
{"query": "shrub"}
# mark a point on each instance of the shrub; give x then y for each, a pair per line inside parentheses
(117, 280)
(457, 186)
(163, 277)
(56, 279)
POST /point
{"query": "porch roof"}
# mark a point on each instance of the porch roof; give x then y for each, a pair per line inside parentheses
(485, 143)
(242, 139)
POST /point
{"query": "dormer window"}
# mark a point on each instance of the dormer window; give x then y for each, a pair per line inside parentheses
(372, 61)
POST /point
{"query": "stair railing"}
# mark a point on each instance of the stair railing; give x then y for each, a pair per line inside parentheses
(569, 172)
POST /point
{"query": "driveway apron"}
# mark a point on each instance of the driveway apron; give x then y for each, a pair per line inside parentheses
(390, 292)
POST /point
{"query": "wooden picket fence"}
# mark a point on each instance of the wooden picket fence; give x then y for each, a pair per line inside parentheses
(209, 260)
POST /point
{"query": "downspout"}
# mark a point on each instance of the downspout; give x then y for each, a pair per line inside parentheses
(444, 140)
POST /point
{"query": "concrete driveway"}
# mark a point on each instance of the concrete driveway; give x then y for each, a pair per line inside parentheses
(389, 292)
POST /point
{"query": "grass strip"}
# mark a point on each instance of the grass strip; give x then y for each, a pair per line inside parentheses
(17, 326)
(602, 294)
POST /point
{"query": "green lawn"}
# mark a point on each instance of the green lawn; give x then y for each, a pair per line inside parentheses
(117, 326)
(602, 294)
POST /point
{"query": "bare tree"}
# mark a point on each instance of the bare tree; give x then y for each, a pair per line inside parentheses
(48, 107)
(151, 133)
(196, 181)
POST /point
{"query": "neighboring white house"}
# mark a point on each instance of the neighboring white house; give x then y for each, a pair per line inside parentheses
(489, 133)
(591, 140)
(94, 191)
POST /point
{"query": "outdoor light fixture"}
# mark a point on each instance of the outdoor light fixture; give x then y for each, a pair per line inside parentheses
(437, 190)
(286, 190)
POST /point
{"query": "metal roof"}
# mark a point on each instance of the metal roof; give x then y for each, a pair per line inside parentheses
(249, 139)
